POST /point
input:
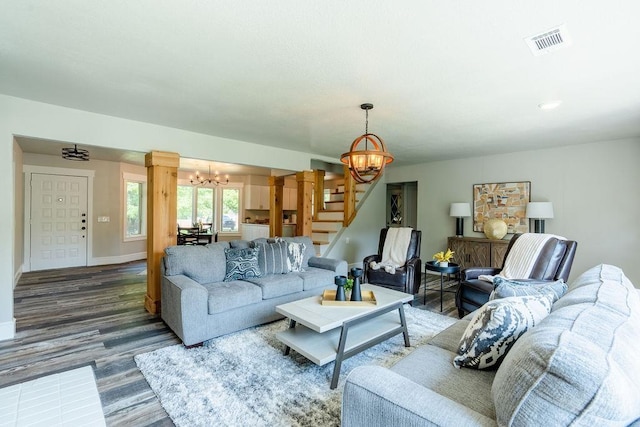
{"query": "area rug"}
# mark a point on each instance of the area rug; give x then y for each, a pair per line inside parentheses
(244, 378)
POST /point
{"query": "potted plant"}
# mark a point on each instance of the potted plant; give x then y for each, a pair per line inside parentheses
(443, 258)
(348, 287)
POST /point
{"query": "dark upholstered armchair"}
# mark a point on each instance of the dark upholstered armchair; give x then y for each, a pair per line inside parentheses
(406, 278)
(553, 263)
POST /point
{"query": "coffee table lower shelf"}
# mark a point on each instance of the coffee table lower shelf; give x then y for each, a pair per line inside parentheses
(341, 343)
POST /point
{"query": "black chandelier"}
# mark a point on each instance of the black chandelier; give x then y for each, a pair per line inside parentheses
(75, 153)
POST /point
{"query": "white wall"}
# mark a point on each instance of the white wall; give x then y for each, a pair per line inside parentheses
(34, 119)
(593, 188)
(364, 232)
(18, 177)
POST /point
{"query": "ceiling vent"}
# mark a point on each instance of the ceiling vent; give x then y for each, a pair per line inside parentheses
(549, 41)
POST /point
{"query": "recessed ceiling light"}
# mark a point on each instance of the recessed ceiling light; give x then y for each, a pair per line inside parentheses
(549, 105)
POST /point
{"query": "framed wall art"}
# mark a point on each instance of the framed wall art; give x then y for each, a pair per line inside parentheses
(503, 200)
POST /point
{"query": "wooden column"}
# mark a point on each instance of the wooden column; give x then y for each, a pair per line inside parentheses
(276, 202)
(318, 192)
(349, 197)
(305, 180)
(162, 200)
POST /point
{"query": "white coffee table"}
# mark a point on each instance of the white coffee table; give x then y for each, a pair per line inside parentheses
(323, 333)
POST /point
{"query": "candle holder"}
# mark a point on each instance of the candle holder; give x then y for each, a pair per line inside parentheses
(356, 293)
(340, 281)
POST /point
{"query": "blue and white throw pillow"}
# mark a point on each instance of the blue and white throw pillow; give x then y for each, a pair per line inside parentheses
(504, 288)
(295, 253)
(241, 263)
(273, 258)
(495, 328)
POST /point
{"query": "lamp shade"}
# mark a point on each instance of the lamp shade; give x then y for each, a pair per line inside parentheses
(460, 210)
(539, 210)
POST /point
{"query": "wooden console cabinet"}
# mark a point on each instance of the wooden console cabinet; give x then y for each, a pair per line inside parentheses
(477, 252)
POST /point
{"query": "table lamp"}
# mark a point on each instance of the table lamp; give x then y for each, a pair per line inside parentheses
(539, 211)
(460, 211)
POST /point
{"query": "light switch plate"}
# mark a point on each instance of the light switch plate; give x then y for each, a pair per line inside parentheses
(104, 219)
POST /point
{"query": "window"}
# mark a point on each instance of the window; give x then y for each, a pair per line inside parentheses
(230, 209)
(210, 205)
(185, 206)
(135, 189)
(204, 205)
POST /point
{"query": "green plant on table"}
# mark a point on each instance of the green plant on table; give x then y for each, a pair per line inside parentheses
(349, 285)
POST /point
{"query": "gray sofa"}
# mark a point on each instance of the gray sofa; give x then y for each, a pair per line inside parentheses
(198, 304)
(579, 366)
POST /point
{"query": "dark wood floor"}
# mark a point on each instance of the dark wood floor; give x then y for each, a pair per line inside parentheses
(94, 316)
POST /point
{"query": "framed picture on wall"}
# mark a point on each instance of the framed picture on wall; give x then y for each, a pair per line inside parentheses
(503, 200)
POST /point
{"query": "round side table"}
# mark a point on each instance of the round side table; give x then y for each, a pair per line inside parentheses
(452, 268)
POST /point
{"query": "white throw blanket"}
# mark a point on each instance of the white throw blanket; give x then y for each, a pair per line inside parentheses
(522, 256)
(394, 251)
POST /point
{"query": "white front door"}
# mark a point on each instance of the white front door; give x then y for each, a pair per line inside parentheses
(59, 221)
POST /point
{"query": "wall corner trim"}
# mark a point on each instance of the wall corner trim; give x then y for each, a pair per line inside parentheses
(8, 330)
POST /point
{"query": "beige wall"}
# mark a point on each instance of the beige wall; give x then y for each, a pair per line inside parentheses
(39, 120)
(593, 188)
(108, 245)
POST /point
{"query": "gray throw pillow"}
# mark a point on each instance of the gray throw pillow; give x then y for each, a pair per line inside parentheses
(295, 252)
(273, 258)
(241, 263)
(496, 326)
(518, 288)
(310, 250)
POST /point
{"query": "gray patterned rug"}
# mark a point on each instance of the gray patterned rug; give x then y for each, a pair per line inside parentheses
(244, 379)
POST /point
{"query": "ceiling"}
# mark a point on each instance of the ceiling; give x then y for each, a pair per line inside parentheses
(448, 79)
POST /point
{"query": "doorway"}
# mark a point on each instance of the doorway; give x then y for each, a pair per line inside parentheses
(58, 221)
(56, 218)
(402, 204)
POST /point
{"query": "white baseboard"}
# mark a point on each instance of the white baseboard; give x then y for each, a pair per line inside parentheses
(8, 330)
(119, 259)
(17, 277)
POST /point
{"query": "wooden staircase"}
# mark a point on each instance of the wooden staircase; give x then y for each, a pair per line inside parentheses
(330, 221)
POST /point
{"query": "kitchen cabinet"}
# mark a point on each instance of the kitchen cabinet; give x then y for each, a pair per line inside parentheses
(288, 230)
(256, 197)
(290, 202)
(254, 231)
(477, 252)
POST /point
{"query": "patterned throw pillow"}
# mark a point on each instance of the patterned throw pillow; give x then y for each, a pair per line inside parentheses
(515, 288)
(273, 258)
(241, 263)
(496, 326)
(295, 252)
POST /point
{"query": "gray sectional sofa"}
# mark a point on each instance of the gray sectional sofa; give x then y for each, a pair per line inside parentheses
(198, 304)
(579, 366)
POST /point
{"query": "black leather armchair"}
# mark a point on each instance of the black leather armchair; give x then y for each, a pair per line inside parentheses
(553, 263)
(407, 278)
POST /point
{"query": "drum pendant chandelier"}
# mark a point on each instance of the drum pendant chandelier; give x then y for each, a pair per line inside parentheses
(366, 165)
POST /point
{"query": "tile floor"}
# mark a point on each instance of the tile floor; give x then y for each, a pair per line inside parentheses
(65, 399)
